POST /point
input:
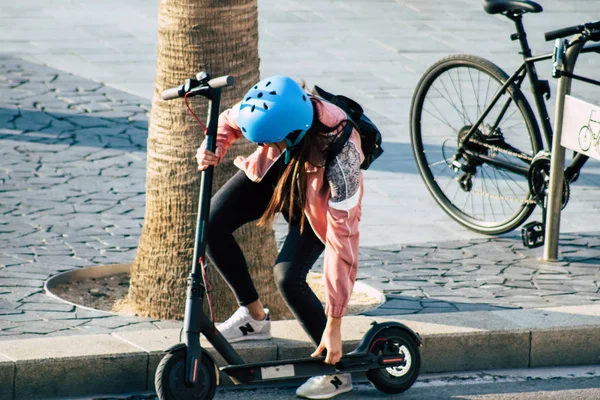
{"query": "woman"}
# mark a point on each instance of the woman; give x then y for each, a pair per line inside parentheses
(321, 203)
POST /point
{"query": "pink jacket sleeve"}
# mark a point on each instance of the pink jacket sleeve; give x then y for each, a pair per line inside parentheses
(341, 258)
(227, 129)
(342, 237)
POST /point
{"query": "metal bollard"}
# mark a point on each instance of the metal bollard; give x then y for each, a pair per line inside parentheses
(557, 165)
(557, 168)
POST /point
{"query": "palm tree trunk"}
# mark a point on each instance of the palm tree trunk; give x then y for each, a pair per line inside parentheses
(220, 37)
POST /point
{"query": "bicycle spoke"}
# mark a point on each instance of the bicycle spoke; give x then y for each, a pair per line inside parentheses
(502, 201)
(464, 117)
(448, 184)
(466, 200)
(474, 92)
(494, 182)
(510, 127)
(489, 198)
(459, 94)
(472, 204)
(456, 191)
(506, 175)
(487, 90)
(442, 170)
(445, 122)
(444, 160)
(505, 118)
(483, 202)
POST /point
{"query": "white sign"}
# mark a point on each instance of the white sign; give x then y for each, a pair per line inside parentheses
(581, 127)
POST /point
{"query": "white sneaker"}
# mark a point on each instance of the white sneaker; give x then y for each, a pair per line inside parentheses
(241, 326)
(325, 386)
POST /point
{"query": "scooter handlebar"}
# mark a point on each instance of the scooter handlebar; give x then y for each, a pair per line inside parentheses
(172, 93)
(180, 91)
(222, 81)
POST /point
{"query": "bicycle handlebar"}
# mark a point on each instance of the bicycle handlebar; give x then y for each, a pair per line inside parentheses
(572, 30)
(193, 85)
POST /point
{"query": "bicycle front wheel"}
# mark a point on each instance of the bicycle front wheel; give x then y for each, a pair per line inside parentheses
(487, 189)
(585, 138)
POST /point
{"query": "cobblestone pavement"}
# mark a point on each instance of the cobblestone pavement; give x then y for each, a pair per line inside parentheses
(72, 171)
(371, 50)
(72, 176)
(72, 184)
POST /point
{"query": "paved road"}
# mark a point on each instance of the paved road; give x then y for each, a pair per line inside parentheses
(578, 383)
(373, 50)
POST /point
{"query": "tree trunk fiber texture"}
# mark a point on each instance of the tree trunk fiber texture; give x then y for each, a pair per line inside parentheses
(221, 38)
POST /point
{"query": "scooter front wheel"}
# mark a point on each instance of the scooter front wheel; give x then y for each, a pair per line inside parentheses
(170, 378)
(396, 379)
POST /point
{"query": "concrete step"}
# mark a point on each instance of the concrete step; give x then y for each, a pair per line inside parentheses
(86, 365)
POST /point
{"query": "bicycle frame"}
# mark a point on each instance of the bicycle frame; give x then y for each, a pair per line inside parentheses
(539, 88)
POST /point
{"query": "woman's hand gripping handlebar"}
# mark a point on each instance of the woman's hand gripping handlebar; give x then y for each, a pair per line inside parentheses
(203, 85)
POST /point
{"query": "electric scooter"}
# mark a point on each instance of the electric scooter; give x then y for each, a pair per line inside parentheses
(388, 353)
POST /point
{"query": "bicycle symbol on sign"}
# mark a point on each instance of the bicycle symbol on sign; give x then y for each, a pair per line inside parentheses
(587, 137)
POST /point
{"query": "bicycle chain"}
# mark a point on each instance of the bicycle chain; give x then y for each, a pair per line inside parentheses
(512, 153)
(501, 150)
(499, 197)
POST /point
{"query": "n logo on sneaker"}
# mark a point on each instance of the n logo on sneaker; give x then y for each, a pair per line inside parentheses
(336, 382)
(246, 329)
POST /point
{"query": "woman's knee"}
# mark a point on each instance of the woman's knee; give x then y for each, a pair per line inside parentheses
(220, 221)
(286, 282)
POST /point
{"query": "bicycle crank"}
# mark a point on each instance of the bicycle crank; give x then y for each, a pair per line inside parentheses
(538, 178)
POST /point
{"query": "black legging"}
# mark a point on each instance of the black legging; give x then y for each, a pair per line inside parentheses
(240, 201)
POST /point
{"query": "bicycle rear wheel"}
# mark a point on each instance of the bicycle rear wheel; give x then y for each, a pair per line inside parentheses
(449, 99)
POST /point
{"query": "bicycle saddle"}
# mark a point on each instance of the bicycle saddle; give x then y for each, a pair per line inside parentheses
(502, 6)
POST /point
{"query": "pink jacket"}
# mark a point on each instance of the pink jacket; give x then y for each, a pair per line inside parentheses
(335, 223)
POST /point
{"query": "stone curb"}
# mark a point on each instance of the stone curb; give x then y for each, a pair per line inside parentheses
(87, 365)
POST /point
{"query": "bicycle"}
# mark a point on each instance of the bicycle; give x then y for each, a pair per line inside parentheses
(587, 137)
(484, 160)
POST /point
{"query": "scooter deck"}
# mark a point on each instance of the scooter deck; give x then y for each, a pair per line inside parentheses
(306, 367)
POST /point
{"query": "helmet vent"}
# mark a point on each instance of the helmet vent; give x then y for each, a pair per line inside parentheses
(253, 107)
(248, 98)
(273, 92)
(266, 106)
(304, 97)
(255, 87)
(268, 83)
(259, 95)
(244, 129)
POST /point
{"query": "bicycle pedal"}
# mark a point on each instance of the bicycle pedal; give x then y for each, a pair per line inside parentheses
(532, 234)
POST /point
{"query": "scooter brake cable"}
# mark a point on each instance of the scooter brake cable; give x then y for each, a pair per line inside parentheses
(185, 99)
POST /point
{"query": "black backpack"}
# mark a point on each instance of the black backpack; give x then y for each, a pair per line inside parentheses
(370, 137)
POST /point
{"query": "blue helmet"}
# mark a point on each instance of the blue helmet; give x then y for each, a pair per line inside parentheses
(274, 108)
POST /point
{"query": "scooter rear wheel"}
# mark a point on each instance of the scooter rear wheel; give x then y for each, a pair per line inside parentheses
(170, 378)
(394, 380)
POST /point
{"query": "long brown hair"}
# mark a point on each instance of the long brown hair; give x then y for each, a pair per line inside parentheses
(290, 191)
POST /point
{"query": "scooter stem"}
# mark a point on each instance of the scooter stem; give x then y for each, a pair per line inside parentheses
(192, 323)
(214, 96)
